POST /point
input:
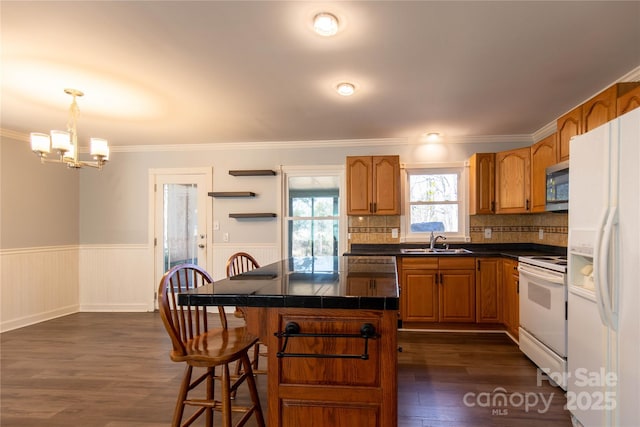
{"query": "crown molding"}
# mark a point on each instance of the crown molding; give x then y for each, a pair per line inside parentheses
(548, 129)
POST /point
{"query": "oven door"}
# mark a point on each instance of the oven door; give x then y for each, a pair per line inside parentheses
(543, 298)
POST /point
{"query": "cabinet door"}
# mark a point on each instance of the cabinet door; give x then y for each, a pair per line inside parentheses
(420, 295)
(386, 185)
(488, 290)
(457, 296)
(511, 306)
(303, 388)
(482, 173)
(599, 110)
(513, 181)
(629, 101)
(544, 153)
(568, 125)
(359, 185)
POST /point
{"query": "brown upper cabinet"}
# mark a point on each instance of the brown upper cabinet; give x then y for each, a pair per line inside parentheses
(569, 125)
(544, 153)
(605, 106)
(373, 185)
(482, 175)
(513, 175)
(628, 101)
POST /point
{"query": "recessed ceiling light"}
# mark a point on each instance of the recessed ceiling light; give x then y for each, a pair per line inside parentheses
(431, 136)
(346, 89)
(325, 24)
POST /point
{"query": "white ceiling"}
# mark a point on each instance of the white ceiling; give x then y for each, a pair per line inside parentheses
(174, 72)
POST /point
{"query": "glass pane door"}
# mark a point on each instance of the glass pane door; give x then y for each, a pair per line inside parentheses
(181, 239)
(180, 220)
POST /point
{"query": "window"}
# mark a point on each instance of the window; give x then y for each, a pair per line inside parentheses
(313, 215)
(435, 202)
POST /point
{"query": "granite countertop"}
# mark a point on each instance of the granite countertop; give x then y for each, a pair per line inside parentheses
(508, 250)
(309, 282)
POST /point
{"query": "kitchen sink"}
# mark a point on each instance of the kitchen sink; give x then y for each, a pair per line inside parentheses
(434, 251)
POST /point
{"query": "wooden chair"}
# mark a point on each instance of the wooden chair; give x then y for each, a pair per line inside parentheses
(238, 263)
(201, 346)
(241, 262)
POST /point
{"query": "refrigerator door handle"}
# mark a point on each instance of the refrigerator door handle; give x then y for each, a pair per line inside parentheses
(605, 287)
(597, 265)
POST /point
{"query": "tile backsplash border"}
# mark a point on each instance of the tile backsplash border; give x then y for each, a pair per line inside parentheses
(523, 228)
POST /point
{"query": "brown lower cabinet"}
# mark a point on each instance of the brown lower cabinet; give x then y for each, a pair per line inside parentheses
(489, 290)
(511, 296)
(438, 289)
(459, 290)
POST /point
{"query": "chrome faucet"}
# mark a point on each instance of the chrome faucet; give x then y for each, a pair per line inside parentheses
(433, 239)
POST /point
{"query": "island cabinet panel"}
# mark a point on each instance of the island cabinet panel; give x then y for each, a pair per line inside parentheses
(315, 385)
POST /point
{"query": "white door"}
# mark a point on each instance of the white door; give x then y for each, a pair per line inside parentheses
(182, 212)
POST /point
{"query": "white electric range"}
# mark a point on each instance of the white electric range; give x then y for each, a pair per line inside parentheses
(543, 313)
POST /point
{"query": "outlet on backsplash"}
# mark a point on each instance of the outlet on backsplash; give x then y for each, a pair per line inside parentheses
(545, 228)
(374, 229)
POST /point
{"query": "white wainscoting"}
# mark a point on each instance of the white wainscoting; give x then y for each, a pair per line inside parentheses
(37, 284)
(40, 284)
(263, 253)
(116, 278)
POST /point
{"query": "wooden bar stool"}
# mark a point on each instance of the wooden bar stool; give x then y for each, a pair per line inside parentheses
(201, 346)
(239, 263)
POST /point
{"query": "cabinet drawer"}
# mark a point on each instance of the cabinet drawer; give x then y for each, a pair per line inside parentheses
(457, 263)
(427, 262)
(318, 371)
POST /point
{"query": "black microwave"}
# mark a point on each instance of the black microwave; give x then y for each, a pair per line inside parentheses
(557, 198)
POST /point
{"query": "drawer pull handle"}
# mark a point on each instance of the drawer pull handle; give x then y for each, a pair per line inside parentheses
(292, 330)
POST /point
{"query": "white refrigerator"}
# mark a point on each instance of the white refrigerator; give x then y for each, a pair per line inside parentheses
(603, 356)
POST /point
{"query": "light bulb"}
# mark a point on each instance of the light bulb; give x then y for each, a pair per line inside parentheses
(325, 24)
(346, 89)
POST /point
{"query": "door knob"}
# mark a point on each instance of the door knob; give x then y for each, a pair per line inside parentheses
(201, 246)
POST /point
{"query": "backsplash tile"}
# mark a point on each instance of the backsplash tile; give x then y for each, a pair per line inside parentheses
(504, 228)
(373, 229)
(521, 228)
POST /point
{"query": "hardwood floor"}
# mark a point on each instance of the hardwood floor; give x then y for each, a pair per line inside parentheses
(113, 370)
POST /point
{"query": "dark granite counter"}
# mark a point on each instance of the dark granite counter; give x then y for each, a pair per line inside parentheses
(311, 282)
(507, 250)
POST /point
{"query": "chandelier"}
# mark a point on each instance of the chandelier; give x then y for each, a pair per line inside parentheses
(66, 142)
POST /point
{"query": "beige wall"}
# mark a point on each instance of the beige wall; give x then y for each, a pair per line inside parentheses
(40, 203)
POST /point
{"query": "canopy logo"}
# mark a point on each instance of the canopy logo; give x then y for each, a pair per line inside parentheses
(500, 401)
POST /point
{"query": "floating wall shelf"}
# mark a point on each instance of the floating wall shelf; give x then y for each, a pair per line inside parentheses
(252, 215)
(232, 194)
(252, 172)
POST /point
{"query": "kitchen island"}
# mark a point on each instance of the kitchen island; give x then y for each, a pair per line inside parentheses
(330, 325)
